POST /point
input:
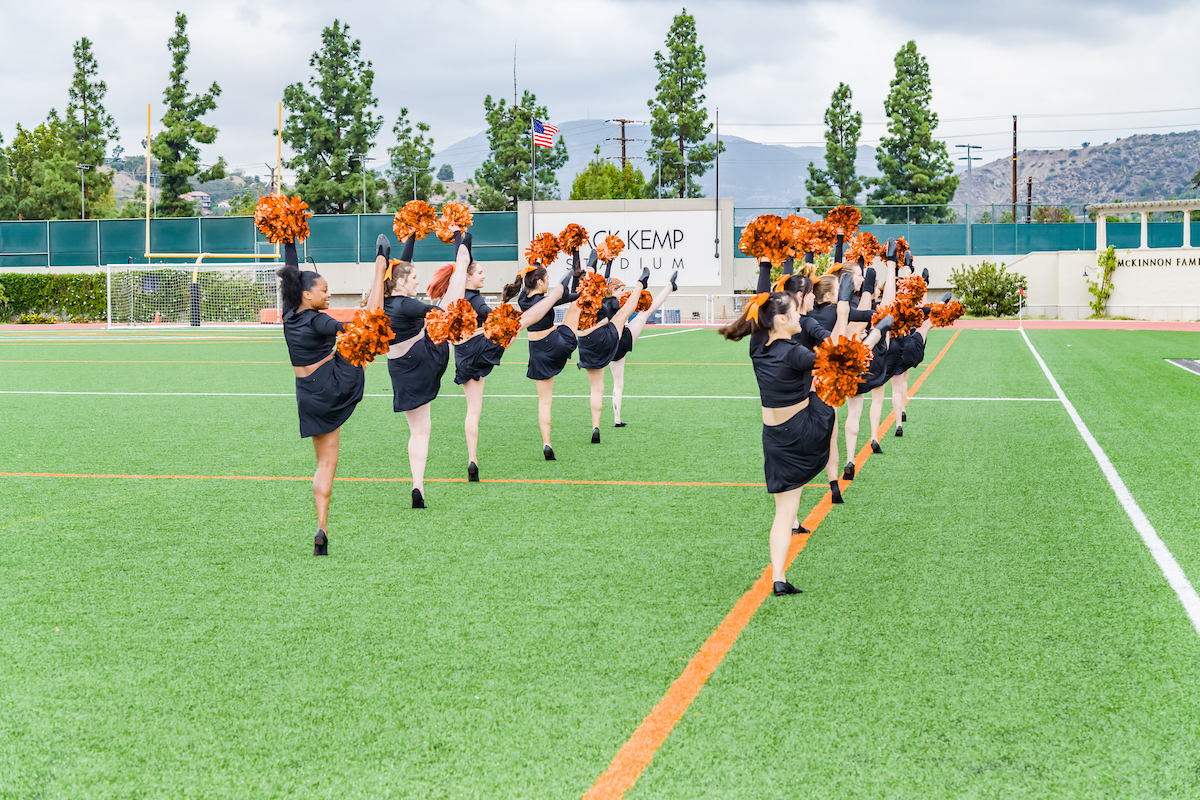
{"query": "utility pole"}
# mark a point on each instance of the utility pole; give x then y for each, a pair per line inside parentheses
(622, 139)
(970, 185)
(268, 166)
(1014, 166)
(1028, 199)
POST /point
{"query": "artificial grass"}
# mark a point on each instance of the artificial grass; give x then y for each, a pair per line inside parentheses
(980, 619)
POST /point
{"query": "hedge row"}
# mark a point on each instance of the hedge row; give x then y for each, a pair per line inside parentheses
(74, 295)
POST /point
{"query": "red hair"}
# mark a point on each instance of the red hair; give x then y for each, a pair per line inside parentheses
(440, 281)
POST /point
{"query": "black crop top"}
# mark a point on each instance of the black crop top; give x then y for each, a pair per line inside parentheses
(482, 309)
(783, 369)
(407, 316)
(811, 334)
(310, 335)
(547, 322)
(609, 307)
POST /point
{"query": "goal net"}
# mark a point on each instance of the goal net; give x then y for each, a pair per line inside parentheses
(169, 294)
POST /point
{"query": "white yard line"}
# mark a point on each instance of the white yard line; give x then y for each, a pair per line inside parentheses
(509, 396)
(1166, 562)
(669, 333)
(1172, 362)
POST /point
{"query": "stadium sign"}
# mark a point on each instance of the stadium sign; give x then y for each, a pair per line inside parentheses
(664, 241)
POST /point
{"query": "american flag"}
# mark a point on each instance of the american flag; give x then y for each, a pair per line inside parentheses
(544, 133)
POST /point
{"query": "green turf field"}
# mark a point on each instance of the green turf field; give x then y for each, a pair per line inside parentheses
(981, 619)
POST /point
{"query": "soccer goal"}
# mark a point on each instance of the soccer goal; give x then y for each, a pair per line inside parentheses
(191, 294)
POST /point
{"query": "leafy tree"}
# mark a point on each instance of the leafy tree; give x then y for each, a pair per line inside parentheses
(44, 173)
(602, 180)
(838, 183)
(679, 121)
(332, 128)
(411, 153)
(446, 173)
(136, 207)
(8, 186)
(916, 167)
(504, 178)
(176, 146)
(1196, 180)
(243, 205)
(91, 127)
(1045, 214)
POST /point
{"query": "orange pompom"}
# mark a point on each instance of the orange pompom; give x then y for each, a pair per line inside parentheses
(452, 214)
(592, 291)
(542, 250)
(417, 217)
(368, 335)
(796, 232)
(864, 246)
(458, 320)
(944, 315)
(282, 219)
(503, 324)
(764, 238)
(610, 249)
(821, 237)
(911, 290)
(572, 238)
(838, 367)
(645, 300)
(846, 217)
(901, 248)
(908, 317)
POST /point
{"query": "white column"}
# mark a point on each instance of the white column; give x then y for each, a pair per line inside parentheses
(1145, 231)
(1101, 233)
(1187, 227)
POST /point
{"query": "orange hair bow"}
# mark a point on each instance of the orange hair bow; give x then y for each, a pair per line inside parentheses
(526, 271)
(387, 273)
(781, 282)
(755, 304)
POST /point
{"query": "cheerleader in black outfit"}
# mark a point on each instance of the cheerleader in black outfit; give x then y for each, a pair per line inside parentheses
(476, 355)
(879, 373)
(633, 329)
(550, 345)
(909, 352)
(327, 386)
(415, 363)
(799, 429)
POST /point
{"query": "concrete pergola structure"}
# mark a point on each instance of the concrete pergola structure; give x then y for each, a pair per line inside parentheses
(1145, 209)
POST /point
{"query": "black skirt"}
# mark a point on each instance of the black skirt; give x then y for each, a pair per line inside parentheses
(326, 398)
(798, 450)
(475, 358)
(548, 356)
(878, 373)
(599, 348)
(417, 375)
(626, 346)
(913, 351)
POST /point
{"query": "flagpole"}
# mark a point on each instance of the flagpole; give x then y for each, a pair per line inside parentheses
(532, 179)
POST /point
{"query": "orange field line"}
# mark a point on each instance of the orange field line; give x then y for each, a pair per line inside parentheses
(378, 480)
(636, 754)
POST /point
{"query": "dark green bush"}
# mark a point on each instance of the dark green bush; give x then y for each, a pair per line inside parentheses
(75, 295)
(988, 290)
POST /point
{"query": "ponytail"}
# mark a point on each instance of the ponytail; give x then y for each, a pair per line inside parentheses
(440, 281)
(293, 284)
(826, 285)
(776, 303)
(529, 283)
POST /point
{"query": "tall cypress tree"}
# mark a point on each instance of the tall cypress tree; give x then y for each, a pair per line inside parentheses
(679, 121)
(410, 160)
(8, 187)
(917, 170)
(838, 183)
(91, 127)
(331, 129)
(175, 148)
(504, 177)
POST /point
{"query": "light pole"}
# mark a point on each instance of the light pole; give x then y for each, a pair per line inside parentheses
(970, 185)
(82, 169)
(362, 162)
(416, 171)
(658, 163)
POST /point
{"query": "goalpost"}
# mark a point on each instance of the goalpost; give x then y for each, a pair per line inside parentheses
(192, 294)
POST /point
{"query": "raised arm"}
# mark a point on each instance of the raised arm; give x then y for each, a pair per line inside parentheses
(383, 251)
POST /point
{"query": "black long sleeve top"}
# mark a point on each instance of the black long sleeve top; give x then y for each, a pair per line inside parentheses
(407, 316)
(310, 335)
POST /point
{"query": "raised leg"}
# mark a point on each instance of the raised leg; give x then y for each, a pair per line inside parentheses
(418, 444)
(636, 324)
(545, 392)
(617, 368)
(474, 394)
(326, 447)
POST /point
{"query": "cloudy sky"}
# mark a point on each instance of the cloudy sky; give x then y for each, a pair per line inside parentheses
(1073, 71)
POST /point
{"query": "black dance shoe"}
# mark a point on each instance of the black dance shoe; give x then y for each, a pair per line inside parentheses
(321, 543)
(674, 277)
(848, 472)
(620, 424)
(783, 587)
(925, 275)
(595, 436)
(548, 452)
(899, 430)
(799, 529)
(836, 491)
(875, 448)
(644, 280)
(946, 297)
(383, 247)
(418, 499)
(904, 416)
(472, 473)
